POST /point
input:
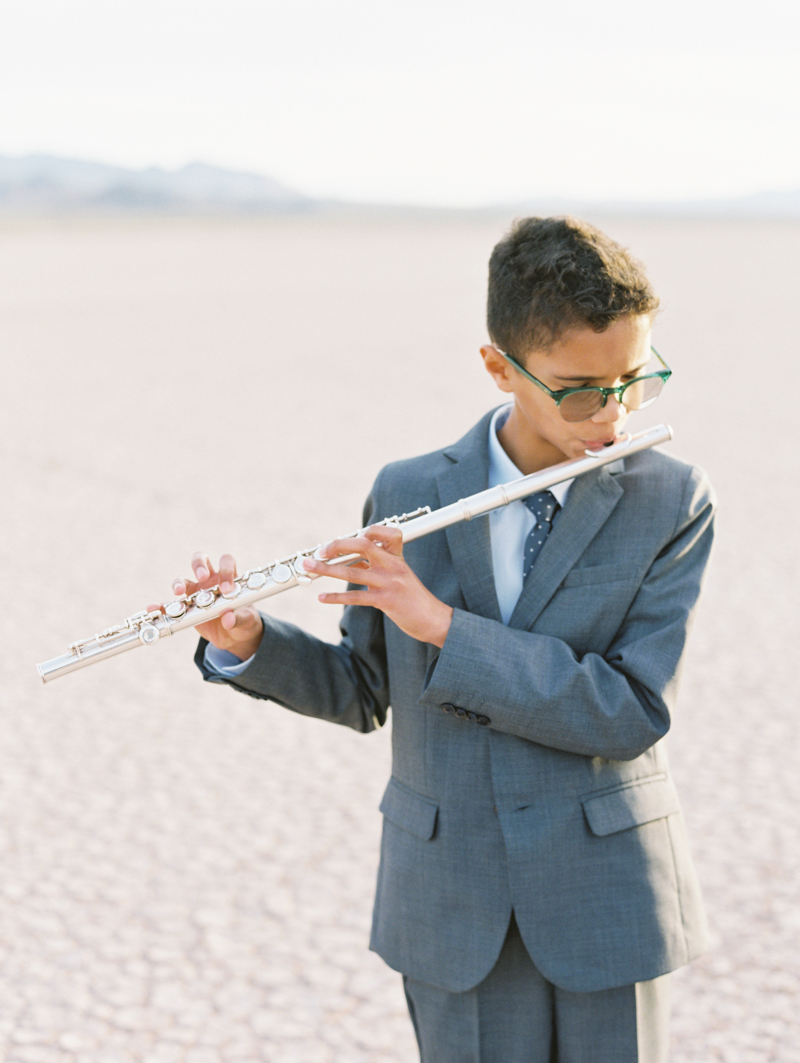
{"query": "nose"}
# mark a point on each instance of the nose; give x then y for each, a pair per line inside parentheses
(612, 411)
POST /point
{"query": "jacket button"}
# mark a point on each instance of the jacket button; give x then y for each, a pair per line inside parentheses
(447, 707)
(460, 713)
(484, 721)
(472, 717)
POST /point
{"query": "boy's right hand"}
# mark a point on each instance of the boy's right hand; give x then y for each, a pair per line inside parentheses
(238, 631)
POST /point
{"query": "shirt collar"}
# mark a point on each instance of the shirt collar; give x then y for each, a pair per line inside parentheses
(502, 468)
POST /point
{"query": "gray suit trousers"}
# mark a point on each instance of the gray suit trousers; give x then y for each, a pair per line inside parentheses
(516, 1016)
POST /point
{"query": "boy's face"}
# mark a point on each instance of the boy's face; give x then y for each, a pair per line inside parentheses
(536, 435)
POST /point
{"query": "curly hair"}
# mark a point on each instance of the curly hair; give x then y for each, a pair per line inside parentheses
(549, 275)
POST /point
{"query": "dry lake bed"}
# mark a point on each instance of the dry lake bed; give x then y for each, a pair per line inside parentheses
(187, 875)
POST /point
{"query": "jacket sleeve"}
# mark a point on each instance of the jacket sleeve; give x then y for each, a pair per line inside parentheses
(345, 683)
(615, 705)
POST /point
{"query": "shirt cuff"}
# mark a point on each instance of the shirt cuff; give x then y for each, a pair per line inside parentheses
(224, 663)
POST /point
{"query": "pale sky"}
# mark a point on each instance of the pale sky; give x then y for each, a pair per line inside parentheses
(440, 102)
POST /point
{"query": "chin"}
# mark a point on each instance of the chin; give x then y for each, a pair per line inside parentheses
(575, 448)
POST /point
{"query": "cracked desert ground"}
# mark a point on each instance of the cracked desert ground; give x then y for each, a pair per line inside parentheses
(187, 874)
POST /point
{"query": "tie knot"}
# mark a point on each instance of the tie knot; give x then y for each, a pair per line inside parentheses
(542, 505)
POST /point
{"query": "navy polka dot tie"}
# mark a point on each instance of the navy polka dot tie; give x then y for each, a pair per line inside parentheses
(543, 506)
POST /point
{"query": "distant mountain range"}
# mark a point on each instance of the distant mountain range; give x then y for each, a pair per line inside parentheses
(35, 184)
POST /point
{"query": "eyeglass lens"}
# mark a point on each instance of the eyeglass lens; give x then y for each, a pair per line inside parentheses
(582, 405)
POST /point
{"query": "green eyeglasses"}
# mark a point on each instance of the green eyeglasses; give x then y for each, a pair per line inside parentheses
(579, 404)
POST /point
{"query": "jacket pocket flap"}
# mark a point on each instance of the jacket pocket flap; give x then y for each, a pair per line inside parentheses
(612, 573)
(635, 804)
(409, 810)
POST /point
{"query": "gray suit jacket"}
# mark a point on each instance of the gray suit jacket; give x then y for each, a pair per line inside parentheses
(528, 767)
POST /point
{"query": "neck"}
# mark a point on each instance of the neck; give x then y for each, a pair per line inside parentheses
(529, 452)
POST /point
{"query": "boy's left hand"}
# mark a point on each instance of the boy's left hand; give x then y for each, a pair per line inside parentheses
(389, 584)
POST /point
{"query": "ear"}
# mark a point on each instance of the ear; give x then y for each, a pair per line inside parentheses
(497, 367)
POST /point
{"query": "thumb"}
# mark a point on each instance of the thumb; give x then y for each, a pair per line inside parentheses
(241, 623)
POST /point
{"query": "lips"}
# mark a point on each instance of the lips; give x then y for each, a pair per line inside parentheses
(598, 444)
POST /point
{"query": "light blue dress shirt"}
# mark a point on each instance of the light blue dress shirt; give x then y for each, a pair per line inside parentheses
(509, 528)
(510, 525)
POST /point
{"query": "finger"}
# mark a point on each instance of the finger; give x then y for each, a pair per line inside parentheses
(202, 567)
(360, 572)
(370, 549)
(354, 544)
(346, 598)
(389, 536)
(227, 573)
(183, 586)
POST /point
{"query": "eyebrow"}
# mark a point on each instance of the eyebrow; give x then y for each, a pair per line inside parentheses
(631, 372)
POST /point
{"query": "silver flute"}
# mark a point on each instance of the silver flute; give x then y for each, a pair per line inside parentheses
(147, 627)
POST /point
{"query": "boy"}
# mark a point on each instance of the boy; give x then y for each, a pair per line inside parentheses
(535, 885)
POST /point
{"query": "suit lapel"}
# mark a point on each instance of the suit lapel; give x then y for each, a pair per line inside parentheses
(590, 501)
(469, 541)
